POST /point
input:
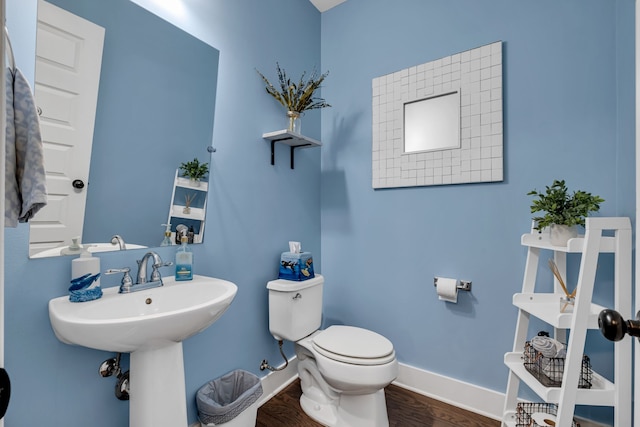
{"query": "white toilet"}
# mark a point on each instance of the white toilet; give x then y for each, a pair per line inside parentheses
(343, 369)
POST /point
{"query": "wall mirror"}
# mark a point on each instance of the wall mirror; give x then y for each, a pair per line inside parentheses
(432, 123)
(155, 110)
(439, 122)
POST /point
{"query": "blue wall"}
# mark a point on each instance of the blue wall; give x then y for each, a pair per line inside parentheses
(251, 217)
(568, 110)
(568, 113)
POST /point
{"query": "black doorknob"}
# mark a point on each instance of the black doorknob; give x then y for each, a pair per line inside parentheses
(78, 183)
(614, 327)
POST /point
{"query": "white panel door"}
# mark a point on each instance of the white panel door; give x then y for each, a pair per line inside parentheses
(68, 61)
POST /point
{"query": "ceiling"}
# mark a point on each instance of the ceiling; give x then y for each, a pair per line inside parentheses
(324, 5)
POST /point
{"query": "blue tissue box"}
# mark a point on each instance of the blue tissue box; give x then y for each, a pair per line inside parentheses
(296, 266)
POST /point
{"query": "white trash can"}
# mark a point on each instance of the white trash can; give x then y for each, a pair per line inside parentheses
(231, 400)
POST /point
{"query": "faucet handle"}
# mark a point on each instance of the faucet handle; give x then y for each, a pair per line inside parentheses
(126, 283)
(155, 274)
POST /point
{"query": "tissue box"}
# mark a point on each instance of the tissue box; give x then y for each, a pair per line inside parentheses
(296, 266)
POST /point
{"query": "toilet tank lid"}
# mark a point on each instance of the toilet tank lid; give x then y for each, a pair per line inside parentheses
(294, 285)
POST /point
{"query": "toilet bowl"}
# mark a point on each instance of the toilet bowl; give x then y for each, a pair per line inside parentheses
(341, 390)
(343, 369)
(353, 360)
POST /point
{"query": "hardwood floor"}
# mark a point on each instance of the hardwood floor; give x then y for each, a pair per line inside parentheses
(405, 409)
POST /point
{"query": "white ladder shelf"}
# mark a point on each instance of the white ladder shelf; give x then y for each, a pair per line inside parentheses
(546, 307)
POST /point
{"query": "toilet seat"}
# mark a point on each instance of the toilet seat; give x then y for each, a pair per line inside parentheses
(357, 346)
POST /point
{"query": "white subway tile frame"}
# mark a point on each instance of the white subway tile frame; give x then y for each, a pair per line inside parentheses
(477, 73)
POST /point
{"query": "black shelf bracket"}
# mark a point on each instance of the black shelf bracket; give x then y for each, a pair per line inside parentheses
(293, 147)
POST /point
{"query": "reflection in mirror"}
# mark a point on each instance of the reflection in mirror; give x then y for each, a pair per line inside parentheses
(154, 110)
(432, 123)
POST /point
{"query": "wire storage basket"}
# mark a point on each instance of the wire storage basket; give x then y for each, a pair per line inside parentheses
(549, 370)
(537, 415)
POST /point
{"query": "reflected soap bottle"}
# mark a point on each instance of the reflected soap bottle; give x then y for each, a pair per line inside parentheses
(184, 261)
(167, 236)
(190, 235)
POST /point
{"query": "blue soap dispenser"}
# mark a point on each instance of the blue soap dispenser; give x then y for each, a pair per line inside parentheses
(184, 261)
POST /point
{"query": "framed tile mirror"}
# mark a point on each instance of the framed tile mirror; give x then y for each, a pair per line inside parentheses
(439, 122)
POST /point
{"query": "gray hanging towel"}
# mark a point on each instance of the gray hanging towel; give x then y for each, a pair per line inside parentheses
(25, 185)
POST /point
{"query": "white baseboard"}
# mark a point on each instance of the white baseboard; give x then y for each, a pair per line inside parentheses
(479, 400)
(463, 395)
(470, 397)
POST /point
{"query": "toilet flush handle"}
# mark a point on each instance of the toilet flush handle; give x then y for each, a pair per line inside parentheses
(297, 296)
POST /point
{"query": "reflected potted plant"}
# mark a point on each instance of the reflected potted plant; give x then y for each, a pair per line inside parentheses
(563, 211)
(298, 97)
(195, 171)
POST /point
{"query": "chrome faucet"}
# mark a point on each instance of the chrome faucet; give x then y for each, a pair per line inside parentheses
(118, 240)
(154, 278)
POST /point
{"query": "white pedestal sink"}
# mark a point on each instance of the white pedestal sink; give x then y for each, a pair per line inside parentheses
(151, 325)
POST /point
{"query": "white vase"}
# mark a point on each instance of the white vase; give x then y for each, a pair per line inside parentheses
(560, 234)
(194, 182)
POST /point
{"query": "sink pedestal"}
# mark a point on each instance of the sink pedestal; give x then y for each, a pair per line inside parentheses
(157, 394)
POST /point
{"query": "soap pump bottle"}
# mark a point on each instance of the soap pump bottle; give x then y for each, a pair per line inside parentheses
(86, 264)
(167, 236)
(184, 261)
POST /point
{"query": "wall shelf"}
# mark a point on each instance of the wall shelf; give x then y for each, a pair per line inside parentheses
(292, 139)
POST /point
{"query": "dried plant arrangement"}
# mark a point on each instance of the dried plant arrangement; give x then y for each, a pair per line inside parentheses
(297, 97)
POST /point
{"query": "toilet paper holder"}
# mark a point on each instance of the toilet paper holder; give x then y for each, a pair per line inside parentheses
(463, 285)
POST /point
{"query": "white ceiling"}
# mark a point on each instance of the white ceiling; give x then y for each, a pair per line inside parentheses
(324, 5)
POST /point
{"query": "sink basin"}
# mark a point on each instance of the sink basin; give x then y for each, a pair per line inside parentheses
(151, 325)
(142, 320)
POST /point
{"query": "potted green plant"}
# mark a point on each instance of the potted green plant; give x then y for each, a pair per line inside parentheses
(563, 210)
(296, 97)
(194, 170)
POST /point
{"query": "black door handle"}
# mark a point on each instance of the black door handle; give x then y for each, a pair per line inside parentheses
(78, 183)
(614, 327)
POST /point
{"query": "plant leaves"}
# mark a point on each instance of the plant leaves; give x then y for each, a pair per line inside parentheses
(561, 207)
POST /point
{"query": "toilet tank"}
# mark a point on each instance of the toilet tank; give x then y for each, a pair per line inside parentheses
(295, 308)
